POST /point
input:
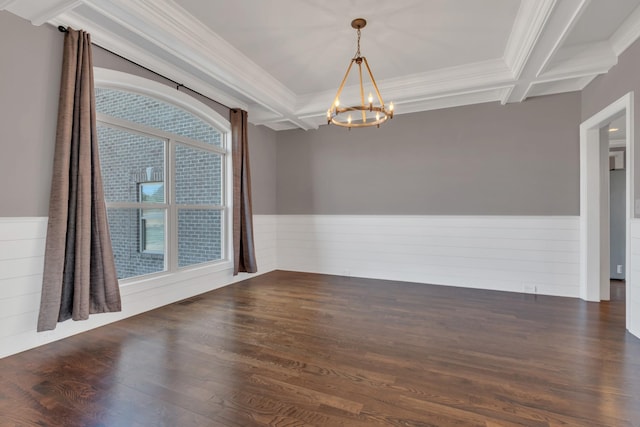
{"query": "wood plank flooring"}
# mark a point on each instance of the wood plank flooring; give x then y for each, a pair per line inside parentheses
(297, 349)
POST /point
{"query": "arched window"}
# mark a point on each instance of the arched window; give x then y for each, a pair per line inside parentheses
(164, 160)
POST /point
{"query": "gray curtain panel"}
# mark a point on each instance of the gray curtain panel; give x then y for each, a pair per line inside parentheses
(79, 269)
(244, 256)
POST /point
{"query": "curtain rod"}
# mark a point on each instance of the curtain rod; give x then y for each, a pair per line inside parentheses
(178, 85)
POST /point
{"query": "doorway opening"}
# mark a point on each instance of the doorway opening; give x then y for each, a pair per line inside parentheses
(595, 233)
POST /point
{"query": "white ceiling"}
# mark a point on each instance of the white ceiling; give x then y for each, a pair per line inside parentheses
(307, 44)
(283, 60)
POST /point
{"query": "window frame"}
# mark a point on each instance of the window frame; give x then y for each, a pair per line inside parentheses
(111, 79)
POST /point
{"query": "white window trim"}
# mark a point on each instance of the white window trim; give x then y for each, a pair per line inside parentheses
(112, 79)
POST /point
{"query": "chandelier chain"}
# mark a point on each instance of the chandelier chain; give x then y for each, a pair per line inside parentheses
(358, 51)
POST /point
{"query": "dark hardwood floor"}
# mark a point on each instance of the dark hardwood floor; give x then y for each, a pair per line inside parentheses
(295, 349)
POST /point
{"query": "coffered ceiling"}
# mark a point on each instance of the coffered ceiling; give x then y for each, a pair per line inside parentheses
(283, 60)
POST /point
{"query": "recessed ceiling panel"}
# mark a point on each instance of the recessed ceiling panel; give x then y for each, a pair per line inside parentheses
(307, 45)
(600, 20)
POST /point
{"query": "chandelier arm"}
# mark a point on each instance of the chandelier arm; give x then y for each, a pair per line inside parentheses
(384, 117)
(373, 81)
(342, 84)
(364, 114)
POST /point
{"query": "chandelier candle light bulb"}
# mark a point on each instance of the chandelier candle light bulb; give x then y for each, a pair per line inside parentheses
(335, 114)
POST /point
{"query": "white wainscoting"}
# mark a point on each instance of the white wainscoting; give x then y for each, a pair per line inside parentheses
(507, 253)
(21, 263)
(633, 280)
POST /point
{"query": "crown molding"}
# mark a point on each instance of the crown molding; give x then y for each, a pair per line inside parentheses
(111, 41)
(506, 94)
(262, 116)
(39, 12)
(285, 125)
(5, 4)
(162, 36)
(529, 24)
(581, 60)
(275, 121)
(213, 58)
(450, 100)
(451, 81)
(54, 10)
(434, 102)
(551, 87)
(167, 26)
(628, 32)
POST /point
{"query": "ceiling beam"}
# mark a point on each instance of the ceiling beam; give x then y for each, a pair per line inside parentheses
(561, 17)
(627, 33)
(529, 24)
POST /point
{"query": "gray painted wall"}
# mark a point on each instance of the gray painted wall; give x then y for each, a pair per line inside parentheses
(607, 88)
(617, 205)
(29, 89)
(30, 64)
(262, 150)
(487, 159)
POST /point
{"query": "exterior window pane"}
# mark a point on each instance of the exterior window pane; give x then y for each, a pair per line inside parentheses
(126, 160)
(198, 177)
(157, 114)
(199, 236)
(152, 231)
(152, 192)
(152, 220)
(124, 226)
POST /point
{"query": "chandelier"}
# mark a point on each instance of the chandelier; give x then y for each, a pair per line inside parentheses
(364, 114)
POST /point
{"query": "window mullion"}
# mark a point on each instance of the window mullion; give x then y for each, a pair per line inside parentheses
(227, 191)
(136, 205)
(172, 247)
(201, 207)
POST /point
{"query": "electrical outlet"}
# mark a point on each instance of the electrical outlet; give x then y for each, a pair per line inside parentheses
(530, 289)
(619, 269)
